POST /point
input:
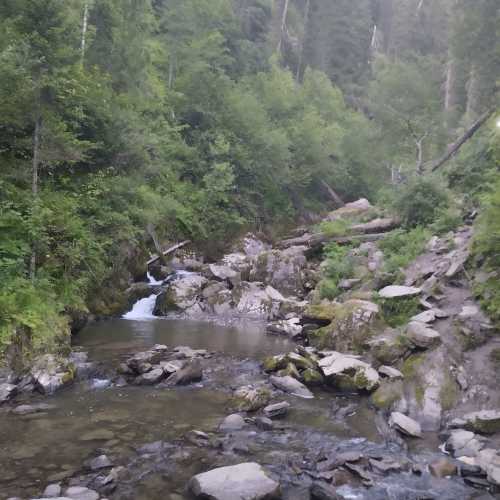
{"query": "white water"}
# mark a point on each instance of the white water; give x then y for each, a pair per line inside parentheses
(143, 308)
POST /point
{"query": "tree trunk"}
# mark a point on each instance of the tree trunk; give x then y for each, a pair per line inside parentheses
(420, 156)
(161, 254)
(34, 185)
(471, 109)
(282, 26)
(84, 29)
(455, 147)
(302, 41)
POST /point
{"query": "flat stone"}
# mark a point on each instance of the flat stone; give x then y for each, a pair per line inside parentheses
(390, 372)
(246, 481)
(362, 375)
(292, 386)
(232, 422)
(264, 423)
(397, 291)
(425, 317)
(170, 367)
(188, 374)
(81, 493)
(405, 424)
(421, 335)
(277, 409)
(489, 461)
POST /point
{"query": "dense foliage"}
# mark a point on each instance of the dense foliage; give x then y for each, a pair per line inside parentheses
(200, 119)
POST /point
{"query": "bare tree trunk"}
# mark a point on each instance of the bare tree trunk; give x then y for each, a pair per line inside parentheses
(455, 147)
(84, 29)
(34, 185)
(152, 232)
(420, 154)
(171, 63)
(283, 26)
(472, 96)
(302, 42)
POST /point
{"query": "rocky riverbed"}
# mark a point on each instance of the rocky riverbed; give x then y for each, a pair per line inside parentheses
(278, 395)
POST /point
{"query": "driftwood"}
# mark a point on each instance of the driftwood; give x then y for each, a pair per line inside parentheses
(168, 251)
(455, 147)
(376, 225)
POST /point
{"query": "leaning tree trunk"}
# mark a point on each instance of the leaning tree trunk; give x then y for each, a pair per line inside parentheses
(282, 29)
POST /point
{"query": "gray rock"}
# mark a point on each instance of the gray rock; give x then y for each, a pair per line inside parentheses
(292, 386)
(232, 422)
(100, 462)
(348, 370)
(277, 410)
(405, 424)
(7, 391)
(150, 378)
(489, 461)
(222, 272)
(50, 374)
(397, 291)
(52, 490)
(289, 327)
(264, 423)
(425, 317)
(463, 443)
(246, 481)
(421, 335)
(250, 398)
(81, 493)
(188, 374)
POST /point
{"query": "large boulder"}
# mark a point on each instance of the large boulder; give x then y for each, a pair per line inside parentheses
(255, 300)
(246, 481)
(421, 335)
(182, 295)
(348, 372)
(352, 324)
(349, 210)
(50, 374)
(464, 443)
(282, 269)
(389, 347)
(489, 461)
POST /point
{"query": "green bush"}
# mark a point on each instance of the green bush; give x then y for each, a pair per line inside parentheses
(420, 201)
(336, 228)
(397, 312)
(338, 265)
(401, 247)
(486, 249)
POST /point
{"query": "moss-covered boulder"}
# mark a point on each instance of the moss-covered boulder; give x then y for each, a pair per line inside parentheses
(389, 347)
(274, 363)
(312, 377)
(352, 324)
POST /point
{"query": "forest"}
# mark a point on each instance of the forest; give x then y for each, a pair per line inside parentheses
(128, 121)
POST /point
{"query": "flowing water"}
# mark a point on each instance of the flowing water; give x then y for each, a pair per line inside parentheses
(93, 417)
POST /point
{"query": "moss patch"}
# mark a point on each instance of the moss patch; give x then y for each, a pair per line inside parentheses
(387, 394)
(398, 311)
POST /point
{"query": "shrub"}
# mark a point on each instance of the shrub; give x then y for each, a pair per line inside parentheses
(334, 228)
(401, 247)
(397, 312)
(338, 265)
(420, 202)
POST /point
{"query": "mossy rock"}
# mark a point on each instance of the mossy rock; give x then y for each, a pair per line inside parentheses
(388, 393)
(391, 351)
(323, 312)
(312, 377)
(251, 399)
(290, 371)
(274, 363)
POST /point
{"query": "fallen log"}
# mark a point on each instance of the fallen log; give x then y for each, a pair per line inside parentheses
(374, 229)
(318, 239)
(168, 251)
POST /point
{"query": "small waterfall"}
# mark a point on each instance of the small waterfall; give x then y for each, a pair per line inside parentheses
(143, 308)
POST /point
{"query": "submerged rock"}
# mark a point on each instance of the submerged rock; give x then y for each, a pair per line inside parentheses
(246, 481)
(191, 372)
(277, 409)
(292, 386)
(405, 424)
(81, 493)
